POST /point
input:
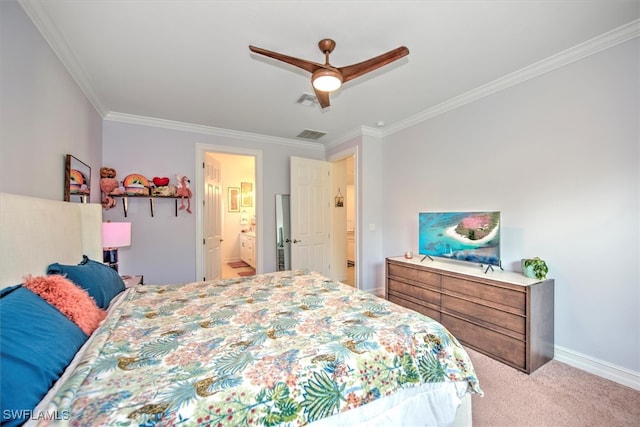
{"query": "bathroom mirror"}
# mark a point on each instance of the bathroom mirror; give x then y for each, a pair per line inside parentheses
(77, 180)
(283, 232)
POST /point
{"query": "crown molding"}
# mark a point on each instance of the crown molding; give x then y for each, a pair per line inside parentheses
(69, 60)
(60, 47)
(355, 133)
(604, 41)
(209, 130)
(371, 131)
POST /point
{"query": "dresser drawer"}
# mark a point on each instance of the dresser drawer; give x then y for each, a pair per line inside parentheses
(429, 278)
(491, 343)
(422, 309)
(484, 315)
(414, 274)
(401, 271)
(417, 291)
(477, 290)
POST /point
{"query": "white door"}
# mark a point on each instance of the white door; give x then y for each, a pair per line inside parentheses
(212, 219)
(310, 214)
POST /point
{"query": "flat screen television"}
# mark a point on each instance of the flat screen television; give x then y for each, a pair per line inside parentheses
(462, 236)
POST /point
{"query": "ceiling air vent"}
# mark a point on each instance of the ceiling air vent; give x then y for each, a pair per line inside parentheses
(311, 134)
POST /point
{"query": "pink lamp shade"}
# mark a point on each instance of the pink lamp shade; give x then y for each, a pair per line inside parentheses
(114, 235)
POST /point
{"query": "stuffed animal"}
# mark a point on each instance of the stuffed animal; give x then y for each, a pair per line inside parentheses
(160, 181)
(183, 191)
(108, 184)
(162, 188)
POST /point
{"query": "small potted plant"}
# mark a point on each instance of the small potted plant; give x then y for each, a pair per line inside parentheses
(535, 268)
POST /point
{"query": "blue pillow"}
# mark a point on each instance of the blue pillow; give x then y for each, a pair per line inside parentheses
(101, 281)
(37, 343)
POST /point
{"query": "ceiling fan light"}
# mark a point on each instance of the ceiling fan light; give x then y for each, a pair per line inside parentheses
(326, 80)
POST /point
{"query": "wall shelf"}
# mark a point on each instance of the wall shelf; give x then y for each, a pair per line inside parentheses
(125, 201)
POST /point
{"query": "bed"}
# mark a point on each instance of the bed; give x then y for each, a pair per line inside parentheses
(286, 348)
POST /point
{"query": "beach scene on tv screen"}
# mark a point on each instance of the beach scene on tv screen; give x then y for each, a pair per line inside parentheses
(463, 236)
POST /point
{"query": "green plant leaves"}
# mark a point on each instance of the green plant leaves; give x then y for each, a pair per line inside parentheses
(233, 363)
(431, 369)
(409, 372)
(281, 408)
(322, 396)
(539, 267)
(158, 348)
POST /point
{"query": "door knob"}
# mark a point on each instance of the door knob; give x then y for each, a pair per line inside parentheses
(296, 241)
(288, 241)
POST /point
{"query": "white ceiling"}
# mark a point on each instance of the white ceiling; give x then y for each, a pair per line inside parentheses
(189, 61)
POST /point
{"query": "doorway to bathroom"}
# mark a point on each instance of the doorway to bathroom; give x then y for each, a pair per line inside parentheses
(229, 215)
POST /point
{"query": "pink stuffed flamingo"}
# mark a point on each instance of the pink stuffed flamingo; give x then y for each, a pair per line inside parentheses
(183, 191)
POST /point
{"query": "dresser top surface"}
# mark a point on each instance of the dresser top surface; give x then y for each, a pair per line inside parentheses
(469, 269)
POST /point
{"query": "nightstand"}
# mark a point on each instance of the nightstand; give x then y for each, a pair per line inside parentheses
(131, 281)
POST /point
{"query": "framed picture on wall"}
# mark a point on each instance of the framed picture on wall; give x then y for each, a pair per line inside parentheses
(246, 190)
(77, 176)
(233, 204)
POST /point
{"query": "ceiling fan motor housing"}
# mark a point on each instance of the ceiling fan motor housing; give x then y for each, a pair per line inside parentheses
(326, 45)
(326, 79)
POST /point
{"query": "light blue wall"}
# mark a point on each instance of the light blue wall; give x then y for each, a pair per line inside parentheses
(43, 113)
(558, 155)
(163, 248)
(368, 150)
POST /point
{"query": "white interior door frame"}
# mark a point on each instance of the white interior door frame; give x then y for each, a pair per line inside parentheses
(353, 151)
(198, 198)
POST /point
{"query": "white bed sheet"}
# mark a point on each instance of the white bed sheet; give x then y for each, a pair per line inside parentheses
(427, 405)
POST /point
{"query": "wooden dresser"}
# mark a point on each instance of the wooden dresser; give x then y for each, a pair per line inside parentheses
(504, 315)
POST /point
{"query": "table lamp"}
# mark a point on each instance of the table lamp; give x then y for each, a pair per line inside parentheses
(114, 235)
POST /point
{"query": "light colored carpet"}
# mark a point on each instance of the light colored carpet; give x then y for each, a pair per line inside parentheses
(556, 395)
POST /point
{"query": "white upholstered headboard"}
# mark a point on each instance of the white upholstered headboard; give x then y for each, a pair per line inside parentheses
(37, 232)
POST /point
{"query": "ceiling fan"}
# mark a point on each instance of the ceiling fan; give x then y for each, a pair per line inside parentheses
(326, 78)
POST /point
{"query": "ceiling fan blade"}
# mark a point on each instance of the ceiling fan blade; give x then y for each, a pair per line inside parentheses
(309, 66)
(350, 72)
(323, 98)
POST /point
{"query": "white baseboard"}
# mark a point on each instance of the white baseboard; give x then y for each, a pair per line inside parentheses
(597, 367)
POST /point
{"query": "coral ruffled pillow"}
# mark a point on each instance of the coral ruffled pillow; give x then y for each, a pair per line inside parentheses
(71, 300)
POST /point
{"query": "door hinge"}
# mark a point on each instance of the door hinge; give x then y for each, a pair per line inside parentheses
(204, 242)
(202, 165)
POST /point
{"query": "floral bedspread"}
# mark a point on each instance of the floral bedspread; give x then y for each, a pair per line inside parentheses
(281, 348)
